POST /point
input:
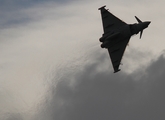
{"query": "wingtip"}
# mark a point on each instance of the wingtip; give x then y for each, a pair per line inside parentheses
(102, 7)
(117, 70)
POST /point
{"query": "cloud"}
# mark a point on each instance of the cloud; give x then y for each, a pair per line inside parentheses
(31, 50)
(52, 66)
(13, 116)
(13, 12)
(104, 95)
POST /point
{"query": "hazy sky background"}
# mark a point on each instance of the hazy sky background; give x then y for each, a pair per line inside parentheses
(52, 66)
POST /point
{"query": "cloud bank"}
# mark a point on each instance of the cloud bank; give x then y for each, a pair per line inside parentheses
(104, 95)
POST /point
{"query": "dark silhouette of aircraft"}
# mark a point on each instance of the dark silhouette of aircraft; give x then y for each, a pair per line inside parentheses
(117, 34)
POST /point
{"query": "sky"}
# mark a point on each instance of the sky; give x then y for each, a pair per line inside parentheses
(52, 66)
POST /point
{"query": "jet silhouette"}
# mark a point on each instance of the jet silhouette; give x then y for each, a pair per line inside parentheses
(117, 35)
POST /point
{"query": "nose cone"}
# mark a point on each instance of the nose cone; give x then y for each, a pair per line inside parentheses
(141, 26)
(145, 24)
(149, 22)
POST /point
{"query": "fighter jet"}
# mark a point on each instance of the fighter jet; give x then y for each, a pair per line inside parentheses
(117, 34)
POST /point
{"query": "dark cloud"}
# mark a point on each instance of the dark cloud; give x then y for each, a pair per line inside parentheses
(10, 11)
(13, 116)
(105, 95)
(9, 5)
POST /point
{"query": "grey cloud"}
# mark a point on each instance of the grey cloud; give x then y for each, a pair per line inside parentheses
(11, 11)
(104, 95)
(13, 116)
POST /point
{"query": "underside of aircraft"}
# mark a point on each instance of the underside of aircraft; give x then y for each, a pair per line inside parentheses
(117, 34)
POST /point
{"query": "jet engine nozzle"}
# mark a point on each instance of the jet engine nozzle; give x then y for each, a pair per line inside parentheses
(105, 44)
(102, 39)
